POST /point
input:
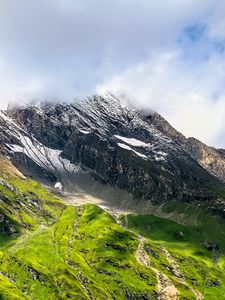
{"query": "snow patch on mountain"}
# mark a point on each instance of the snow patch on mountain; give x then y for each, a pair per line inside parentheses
(58, 185)
(159, 158)
(84, 131)
(132, 141)
(47, 158)
(130, 149)
(157, 155)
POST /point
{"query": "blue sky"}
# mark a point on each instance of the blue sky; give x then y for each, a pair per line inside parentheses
(166, 55)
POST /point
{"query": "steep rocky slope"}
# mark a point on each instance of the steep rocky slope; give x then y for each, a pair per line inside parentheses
(213, 160)
(97, 147)
(96, 143)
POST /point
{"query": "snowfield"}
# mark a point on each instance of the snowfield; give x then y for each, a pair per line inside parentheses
(132, 141)
(47, 158)
(130, 149)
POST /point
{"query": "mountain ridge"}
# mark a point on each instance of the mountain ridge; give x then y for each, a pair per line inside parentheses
(138, 217)
(208, 157)
(101, 139)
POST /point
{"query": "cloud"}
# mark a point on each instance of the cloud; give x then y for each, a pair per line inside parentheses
(165, 55)
(70, 46)
(191, 98)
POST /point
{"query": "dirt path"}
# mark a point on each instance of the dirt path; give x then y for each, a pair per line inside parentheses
(79, 276)
(70, 243)
(141, 254)
(166, 289)
(82, 281)
(177, 273)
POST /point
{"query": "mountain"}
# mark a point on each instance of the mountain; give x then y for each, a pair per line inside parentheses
(100, 201)
(211, 159)
(97, 142)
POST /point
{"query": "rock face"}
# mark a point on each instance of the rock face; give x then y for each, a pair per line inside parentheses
(98, 140)
(211, 159)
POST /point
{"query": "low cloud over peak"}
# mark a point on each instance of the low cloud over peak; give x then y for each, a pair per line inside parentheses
(167, 56)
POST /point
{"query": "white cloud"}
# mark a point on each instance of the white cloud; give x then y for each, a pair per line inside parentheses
(216, 20)
(189, 97)
(70, 46)
(60, 49)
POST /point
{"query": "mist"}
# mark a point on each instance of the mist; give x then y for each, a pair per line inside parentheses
(166, 56)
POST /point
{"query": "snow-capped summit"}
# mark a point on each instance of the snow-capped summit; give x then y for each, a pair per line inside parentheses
(95, 143)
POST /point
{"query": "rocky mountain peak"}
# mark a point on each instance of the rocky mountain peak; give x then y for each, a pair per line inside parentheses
(96, 143)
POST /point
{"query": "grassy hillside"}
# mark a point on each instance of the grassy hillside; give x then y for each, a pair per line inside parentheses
(82, 256)
(52, 251)
(194, 253)
(49, 250)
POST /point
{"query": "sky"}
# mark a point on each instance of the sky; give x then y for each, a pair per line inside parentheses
(164, 55)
